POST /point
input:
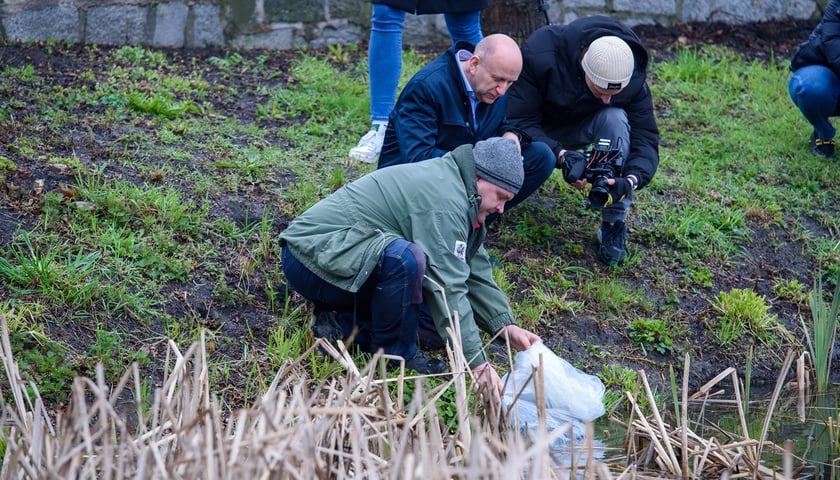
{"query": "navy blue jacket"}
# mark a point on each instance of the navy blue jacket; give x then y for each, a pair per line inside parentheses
(433, 115)
(823, 44)
(551, 93)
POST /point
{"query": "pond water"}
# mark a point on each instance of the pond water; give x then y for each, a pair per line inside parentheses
(815, 436)
(810, 429)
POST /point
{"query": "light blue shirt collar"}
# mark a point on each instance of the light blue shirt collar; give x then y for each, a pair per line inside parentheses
(462, 56)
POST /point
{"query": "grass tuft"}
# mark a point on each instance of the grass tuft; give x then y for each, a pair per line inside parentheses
(821, 334)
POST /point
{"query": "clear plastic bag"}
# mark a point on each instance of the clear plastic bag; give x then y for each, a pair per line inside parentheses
(572, 397)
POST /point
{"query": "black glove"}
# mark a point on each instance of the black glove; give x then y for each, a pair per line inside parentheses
(617, 191)
(572, 163)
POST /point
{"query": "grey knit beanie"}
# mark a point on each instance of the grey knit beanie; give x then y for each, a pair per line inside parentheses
(499, 161)
(609, 62)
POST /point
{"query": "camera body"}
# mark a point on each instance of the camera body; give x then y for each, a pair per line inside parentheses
(599, 164)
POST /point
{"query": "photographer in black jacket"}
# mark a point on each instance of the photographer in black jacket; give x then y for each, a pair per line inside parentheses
(585, 83)
(814, 86)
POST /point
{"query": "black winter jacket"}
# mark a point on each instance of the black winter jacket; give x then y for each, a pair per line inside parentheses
(435, 6)
(823, 44)
(551, 92)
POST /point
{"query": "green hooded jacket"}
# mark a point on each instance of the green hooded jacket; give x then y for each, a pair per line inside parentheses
(433, 204)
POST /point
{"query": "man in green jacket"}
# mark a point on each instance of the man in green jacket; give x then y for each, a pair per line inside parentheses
(385, 245)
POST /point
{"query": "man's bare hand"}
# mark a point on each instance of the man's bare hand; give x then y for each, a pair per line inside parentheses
(513, 137)
(519, 338)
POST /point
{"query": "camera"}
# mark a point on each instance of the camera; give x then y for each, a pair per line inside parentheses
(597, 165)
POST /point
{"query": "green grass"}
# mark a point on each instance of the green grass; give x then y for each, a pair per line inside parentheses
(108, 350)
(44, 362)
(651, 334)
(744, 313)
(183, 173)
(822, 332)
(735, 146)
(617, 380)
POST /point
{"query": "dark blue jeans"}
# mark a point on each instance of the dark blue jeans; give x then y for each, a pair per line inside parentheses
(387, 309)
(815, 90)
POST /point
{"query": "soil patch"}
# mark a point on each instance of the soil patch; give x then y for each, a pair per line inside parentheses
(757, 41)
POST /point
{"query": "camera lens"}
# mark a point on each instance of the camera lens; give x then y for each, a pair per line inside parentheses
(599, 194)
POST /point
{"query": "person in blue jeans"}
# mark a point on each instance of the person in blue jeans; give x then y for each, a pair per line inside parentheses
(814, 85)
(377, 251)
(385, 56)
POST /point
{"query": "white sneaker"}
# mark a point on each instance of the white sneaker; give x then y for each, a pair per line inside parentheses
(370, 145)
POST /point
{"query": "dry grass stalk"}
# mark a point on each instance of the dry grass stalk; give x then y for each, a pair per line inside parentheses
(801, 377)
(348, 427)
(672, 458)
(709, 458)
(684, 412)
(774, 399)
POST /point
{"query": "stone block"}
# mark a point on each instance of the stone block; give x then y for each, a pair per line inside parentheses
(425, 30)
(696, 10)
(335, 32)
(61, 22)
(634, 21)
(206, 26)
(307, 11)
(10, 8)
(170, 23)
(585, 3)
(281, 37)
(240, 15)
(116, 25)
(743, 12)
(766, 11)
(802, 9)
(659, 7)
(355, 11)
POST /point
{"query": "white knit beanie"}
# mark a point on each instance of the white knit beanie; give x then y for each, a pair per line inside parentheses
(608, 62)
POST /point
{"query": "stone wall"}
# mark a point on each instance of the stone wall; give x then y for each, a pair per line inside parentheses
(283, 24)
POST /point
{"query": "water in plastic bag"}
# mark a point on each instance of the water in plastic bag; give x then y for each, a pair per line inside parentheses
(572, 397)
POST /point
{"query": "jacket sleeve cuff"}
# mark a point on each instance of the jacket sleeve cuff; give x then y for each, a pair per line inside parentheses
(493, 325)
(641, 178)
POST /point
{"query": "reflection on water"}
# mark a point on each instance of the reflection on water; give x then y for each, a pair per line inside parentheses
(812, 432)
(568, 457)
(817, 439)
(570, 448)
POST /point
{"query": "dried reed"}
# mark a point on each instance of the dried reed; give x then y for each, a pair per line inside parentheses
(348, 427)
(653, 446)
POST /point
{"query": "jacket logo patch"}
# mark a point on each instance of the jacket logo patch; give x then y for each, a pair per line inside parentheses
(461, 250)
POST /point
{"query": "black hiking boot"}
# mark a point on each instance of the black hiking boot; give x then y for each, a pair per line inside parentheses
(325, 325)
(822, 148)
(613, 249)
(422, 363)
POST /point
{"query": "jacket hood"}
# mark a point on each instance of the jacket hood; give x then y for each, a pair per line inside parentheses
(463, 157)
